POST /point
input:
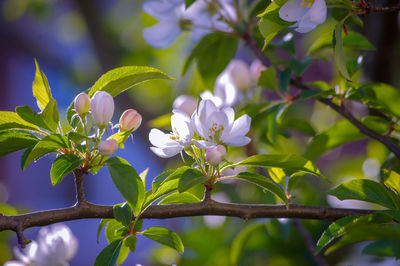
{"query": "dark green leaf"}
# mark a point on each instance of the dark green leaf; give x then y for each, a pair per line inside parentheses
(383, 248)
(289, 162)
(138, 225)
(212, 53)
(123, 213)
(108, 256)
(299, 67)
(29, 115)
(180, 198)
(63, 165)
(15, 140)
(103, 223)
(367, 190)
(284, 79)
(75, 137)
(268, 79)
(299, 124)
(121, 79)
(164, 236)
(190, 178)
(127, 181)
(41, 89)
(48, 144)
(188, 3)
(130, 242)
(338, 50)
(265, 183)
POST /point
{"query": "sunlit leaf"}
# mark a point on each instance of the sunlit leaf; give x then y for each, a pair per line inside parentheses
(15, 140)
(190, 178)
(41, 89)
(63, 165)
(164, 236)
(180, 198)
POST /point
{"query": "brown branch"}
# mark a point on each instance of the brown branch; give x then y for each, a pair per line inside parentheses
(80, 193)
(18, 223)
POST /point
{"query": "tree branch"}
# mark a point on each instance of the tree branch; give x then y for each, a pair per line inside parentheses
(18, 223)
(80, 193)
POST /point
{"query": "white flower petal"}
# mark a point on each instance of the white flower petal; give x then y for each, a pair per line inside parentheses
(160, 139)
(162, 34)
(317, 12)
(240, 128)
(161, 9)
(182, 127)
(14, 263)
(166, 152)
(238, 142)
(204, 144)
(293, 10)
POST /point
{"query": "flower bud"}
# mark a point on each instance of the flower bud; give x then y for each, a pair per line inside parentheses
(240, 74)
(255, 70)
(108, 147)
(130, 120)
(102, 108)
(185, 103)
(215, 154)
(82, 103)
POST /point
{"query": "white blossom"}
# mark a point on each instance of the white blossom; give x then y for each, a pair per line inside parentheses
(307, 13)
(102, 106)
(216, 126)
(171, 16)
(55, 246)
(185, 103)
(168, 145)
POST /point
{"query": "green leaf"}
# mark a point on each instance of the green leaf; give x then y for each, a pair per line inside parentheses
(383, 248)
(271, 24)
(180, 198)
(63, 165)
(15, 140)
(340, 133)
(48, 144)
(75, 137)
(299, 124)
(268, 79)
(240, 241)
(6, 209)
(123, 213)
(29, 115)
(163, 121)
(108, 256)
(103, 223)
(164, 236)
(392, 180)
(127, 181)
(188, 3)
(41, 89)
(284, 79)
(285, 161)
(11, 120)
(190, 178)
(51, 116)
(299, 67)
(123, 254)
(338, 50)
(212, 53)
(264, 183)
(272, 115)
(367, 190)
(130, 242)
(167, 176)
(138, 225)
(115, 230)
(121, 79)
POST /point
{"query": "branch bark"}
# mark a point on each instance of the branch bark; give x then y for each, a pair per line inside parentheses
(19, 223)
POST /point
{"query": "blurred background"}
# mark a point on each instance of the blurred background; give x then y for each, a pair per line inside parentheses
(76, 41)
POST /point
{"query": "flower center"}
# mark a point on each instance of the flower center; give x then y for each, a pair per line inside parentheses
(214, 131)
(307, 3)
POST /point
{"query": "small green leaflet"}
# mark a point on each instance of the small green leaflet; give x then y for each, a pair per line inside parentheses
(127, 181)
(63, 165)
(123, 213)
(180, 198)
(190, 178)
(164, 236)
(338, 50)
(41, 89)
(123, 78)
(268, 79)
(108, 256)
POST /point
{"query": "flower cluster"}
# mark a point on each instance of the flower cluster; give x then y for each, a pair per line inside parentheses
(202, 17)
(101, 106)
(214, 127)
(55, 245)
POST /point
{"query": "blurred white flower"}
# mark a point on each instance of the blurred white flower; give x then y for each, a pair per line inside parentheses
(307, 13)
(233, 171)
(215, 154)
(256, 68)
(219, 126)
(168, 145)
(185, 103)
(171, 16)
(55, 246)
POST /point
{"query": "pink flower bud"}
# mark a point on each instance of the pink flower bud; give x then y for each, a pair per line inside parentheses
(82, 103)
(240, 74)
(185, 103)
(130, 120)
(255, 69)
(215, 154)
(108, 147)
(102, 108)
